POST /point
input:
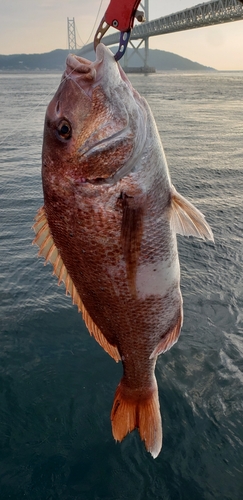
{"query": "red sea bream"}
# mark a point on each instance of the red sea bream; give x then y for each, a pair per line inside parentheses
(108, 226)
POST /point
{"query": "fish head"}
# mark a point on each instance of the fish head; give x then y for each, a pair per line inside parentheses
(95, 125)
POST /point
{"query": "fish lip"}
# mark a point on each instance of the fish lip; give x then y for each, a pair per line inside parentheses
(88, 74)
(82, 72)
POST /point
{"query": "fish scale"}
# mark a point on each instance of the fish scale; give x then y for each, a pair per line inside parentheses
(109, 225)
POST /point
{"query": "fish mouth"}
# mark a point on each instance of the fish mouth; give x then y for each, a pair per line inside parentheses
(82, 72)
(106, 73)
(88, 74)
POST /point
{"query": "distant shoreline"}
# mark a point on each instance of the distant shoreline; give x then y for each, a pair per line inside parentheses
(55, 61)
(158, 72)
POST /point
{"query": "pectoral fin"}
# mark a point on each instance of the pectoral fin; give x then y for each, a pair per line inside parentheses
(186, 219)
(50, 252)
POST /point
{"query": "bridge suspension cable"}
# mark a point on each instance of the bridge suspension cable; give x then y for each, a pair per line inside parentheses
(205, 14)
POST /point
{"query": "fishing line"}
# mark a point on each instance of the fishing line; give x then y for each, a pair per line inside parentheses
(82, 42)
(94, 23)
(85, 43)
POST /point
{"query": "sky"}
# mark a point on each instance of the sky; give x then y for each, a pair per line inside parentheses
(36, 26)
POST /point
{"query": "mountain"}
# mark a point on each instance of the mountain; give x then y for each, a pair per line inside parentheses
(55, 61)
(167, 61)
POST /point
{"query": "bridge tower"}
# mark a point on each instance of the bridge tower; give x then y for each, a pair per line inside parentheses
(145, 40)
(72, 44)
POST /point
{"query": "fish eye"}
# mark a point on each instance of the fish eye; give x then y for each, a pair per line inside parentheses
(64, 129)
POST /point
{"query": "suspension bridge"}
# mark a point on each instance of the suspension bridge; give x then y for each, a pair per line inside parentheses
(205, 14)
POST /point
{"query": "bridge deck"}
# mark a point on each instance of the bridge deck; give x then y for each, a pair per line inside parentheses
(205, 14)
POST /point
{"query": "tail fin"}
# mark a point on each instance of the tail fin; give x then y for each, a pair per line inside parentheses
(144, 413)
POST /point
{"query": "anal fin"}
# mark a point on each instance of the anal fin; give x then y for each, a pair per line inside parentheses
(50, 252)
(169, 339)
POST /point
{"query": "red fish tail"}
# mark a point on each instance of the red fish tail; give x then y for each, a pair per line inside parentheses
(132, 411)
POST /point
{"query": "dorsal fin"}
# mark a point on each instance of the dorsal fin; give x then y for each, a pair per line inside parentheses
(187, 219)
(50, 252)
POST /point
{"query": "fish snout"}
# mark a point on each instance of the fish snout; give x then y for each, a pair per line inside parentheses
(80, 70)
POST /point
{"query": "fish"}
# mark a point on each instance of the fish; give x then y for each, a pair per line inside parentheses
(109, 227)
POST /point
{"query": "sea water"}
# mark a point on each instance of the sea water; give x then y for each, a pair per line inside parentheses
(57, 384)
